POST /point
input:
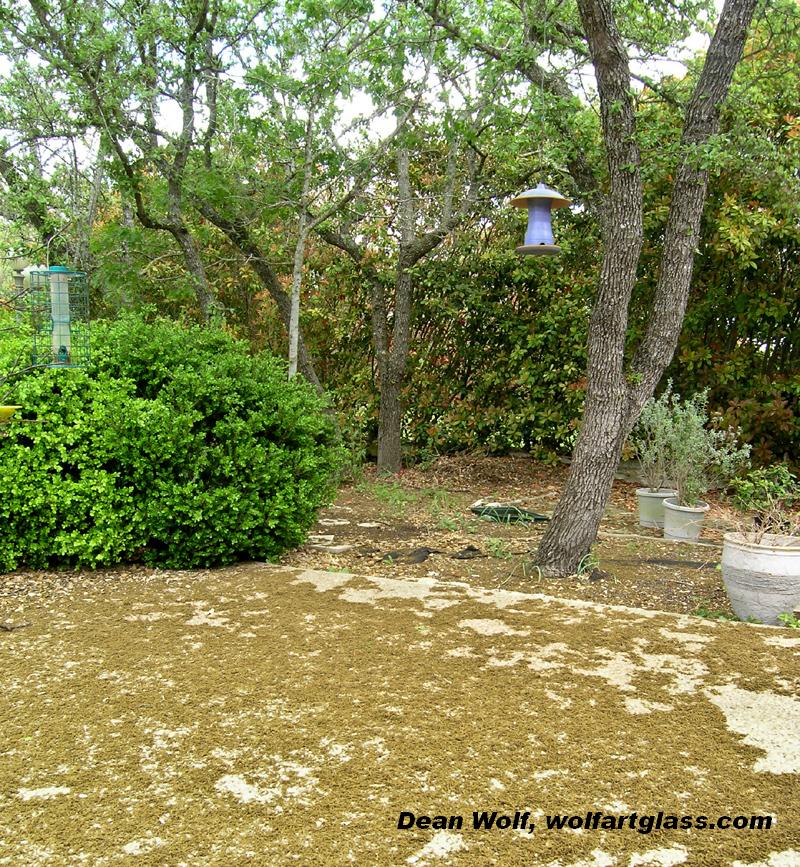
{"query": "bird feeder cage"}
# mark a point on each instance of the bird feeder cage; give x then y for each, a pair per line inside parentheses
(58, 301)
(539, 236)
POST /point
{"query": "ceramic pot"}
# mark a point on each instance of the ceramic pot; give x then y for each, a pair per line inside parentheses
(651, 506)
(683, 522)
(762, 580)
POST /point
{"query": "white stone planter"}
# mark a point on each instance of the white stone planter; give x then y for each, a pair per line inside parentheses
(762, 580)
(651, 506)
(683, 522)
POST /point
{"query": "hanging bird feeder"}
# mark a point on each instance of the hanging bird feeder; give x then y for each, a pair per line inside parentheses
(58, 300)
(539, 236)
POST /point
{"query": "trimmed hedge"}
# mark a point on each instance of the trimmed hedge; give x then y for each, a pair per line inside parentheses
(175, 448)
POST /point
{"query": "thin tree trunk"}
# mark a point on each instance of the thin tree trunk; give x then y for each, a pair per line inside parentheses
(392, 369)
(297, 280)
(392, 359)
(238, 234)
(191, 255)
(300, 247)
(85, 256)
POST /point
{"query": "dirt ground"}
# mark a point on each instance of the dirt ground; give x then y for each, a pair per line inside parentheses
(272, 716)
(385, 525)
(280, 714)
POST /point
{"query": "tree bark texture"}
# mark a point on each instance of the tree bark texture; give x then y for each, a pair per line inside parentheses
(191, 255)
(614, 395)
(391, 370)
(392, 354)
(300, 247)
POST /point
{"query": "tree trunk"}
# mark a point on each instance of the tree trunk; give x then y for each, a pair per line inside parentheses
(392, 347)
(238, 234)
(390, 419)
(297, 281)
(392, 370)
(300, 247)
(573, 528)
(614, 400)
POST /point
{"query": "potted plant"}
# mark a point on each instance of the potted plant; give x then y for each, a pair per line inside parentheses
(651, 440)
(699, 455)
(761, 563)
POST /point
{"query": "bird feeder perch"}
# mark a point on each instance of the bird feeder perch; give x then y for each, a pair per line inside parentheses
(539, 235)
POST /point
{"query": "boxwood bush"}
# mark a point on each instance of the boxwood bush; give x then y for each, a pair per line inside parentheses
(175, 448)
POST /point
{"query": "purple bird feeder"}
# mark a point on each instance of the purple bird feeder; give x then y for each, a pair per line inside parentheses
(539, 236)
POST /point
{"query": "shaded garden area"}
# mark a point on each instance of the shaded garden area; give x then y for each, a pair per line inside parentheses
(387, 525)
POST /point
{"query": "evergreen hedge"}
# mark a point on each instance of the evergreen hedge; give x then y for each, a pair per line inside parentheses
(176, 448)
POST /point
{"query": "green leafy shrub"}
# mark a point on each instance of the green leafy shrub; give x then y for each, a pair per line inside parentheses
(14, 349)
(176, 448)
(769, 497)
(500, 354)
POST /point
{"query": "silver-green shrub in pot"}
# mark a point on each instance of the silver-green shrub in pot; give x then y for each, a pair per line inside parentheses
(651, 439)
(761, 564)
(700, 454)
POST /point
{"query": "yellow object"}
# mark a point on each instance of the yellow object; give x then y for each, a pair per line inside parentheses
(6, 412)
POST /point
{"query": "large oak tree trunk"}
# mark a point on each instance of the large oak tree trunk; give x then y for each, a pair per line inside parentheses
(615, 396)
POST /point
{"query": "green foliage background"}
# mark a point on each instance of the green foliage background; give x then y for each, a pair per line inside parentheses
(498, 343)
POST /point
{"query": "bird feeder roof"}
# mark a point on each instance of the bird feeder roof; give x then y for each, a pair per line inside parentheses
(540, 192)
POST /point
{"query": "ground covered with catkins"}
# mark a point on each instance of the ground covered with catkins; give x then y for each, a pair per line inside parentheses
(273, 715)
